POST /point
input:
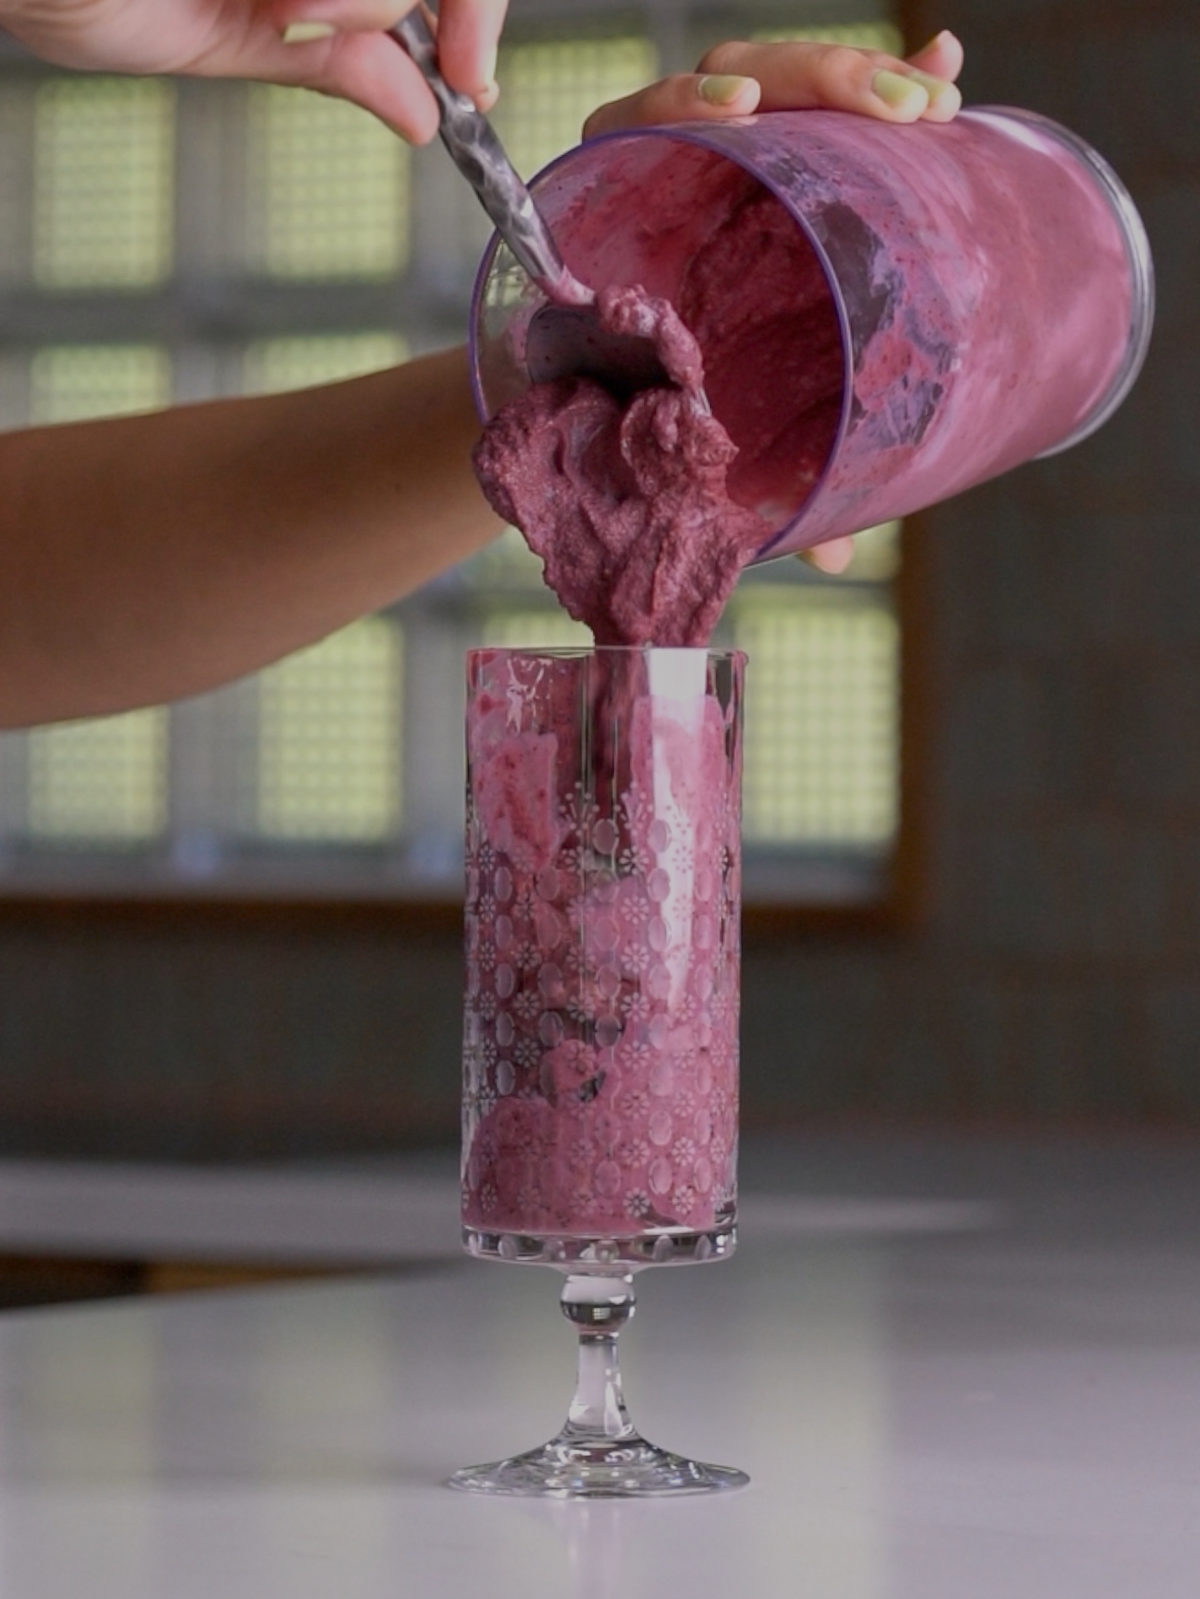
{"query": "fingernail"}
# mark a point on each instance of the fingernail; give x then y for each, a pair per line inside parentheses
(722, 88)
(302, 32)
(939, 90)
(898, 91)
(489, 68)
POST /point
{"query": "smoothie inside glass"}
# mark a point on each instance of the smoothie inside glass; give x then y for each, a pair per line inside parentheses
(602, 938)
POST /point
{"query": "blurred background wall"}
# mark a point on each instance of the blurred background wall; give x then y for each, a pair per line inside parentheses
(1052, 971)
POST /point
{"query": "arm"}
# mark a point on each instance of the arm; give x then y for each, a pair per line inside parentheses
(146, 558)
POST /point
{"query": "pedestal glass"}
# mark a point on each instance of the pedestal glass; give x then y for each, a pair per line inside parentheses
(601, 1009)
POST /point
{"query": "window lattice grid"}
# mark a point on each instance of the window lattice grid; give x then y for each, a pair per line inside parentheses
(550, 85)
(876, 554)
(532, 630)
(68, 382)
(327, 186)
(508, 567)
(330, 739)
(272, 365)
(103, 160)
(821, 745)
(103, 780)
(16, 115)
(506, 564)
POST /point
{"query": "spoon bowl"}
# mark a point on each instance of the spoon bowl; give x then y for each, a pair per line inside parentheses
(570, 341)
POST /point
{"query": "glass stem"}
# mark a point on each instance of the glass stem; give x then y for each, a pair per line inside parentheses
(598, 1307)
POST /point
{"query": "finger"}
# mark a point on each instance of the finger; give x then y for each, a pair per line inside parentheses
(468, 42)
(841, 77)
(346, 16)
(832, 557)
(468, 33)
(687, 97)
(368, 69)
(803, 75)
(942, 56)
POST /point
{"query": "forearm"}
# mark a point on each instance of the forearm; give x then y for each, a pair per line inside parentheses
(147, 558)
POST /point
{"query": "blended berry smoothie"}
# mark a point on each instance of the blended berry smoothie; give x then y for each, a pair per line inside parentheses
(626, 499)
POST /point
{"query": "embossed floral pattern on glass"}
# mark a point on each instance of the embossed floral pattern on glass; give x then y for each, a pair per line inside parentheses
(602, 942)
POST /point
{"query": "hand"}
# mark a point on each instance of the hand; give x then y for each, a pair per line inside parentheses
(733, 80)
(335, 46)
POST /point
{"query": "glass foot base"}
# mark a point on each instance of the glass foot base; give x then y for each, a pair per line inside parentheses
(625, 1470)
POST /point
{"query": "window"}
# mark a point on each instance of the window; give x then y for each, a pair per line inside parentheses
(130, 212)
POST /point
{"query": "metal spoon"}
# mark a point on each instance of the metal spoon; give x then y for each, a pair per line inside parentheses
(565, 336)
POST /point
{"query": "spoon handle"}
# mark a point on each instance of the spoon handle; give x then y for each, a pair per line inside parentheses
(477, 152)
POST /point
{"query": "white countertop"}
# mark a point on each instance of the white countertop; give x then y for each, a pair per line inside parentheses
(957, 1375)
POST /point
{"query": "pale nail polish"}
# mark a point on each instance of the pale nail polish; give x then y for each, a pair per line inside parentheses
(898, 91)
(489, 68)
(722, 88)
(939, 90)
(303, 32)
